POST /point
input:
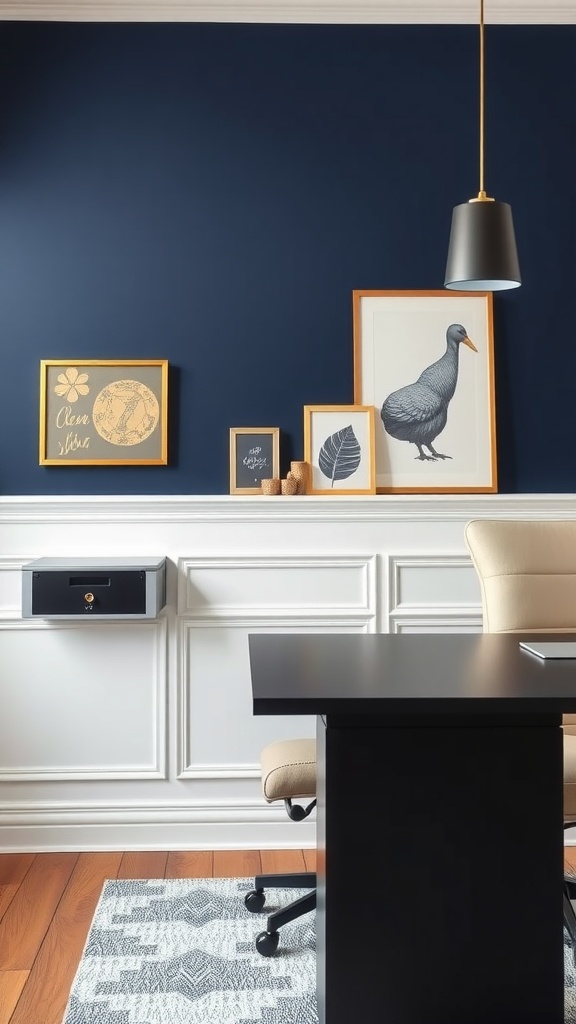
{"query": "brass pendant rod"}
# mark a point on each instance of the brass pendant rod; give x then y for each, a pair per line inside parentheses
(481, 192)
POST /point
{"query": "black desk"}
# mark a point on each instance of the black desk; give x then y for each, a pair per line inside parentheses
(440, 839)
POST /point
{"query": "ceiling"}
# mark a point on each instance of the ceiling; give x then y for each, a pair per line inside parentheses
(510, 12)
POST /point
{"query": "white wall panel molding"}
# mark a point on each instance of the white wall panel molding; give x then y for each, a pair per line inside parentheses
(435, 593)
(76, 698)
(284, 621)
(89, 813)
(278, 585)
(214, 693)
(11, 586)
(291, 11)
(144, 510)
(425, 621)
(416, 580)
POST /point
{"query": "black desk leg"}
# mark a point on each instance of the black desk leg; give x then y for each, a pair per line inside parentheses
(440, 873)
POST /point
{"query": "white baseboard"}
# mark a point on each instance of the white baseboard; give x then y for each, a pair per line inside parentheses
(208, 827)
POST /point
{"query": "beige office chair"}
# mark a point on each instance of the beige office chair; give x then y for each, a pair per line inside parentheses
(288, 773)
(527, 572)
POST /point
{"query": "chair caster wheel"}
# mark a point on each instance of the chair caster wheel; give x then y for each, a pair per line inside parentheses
(254, 901)
(267, 943)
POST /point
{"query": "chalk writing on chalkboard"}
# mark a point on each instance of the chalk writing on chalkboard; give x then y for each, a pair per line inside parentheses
(253, 457)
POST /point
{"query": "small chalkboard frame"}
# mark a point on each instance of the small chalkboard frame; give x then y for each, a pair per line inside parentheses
(243, 440)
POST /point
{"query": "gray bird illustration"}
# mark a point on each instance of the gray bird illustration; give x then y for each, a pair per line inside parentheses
(418, 412)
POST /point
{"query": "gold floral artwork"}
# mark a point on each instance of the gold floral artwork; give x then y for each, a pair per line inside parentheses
(125, 412)
(101, 412)
(72, 384)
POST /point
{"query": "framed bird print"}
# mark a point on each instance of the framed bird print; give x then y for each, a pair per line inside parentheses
(339, 448)
(424, 361)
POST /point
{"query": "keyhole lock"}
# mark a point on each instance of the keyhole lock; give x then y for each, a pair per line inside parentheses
(89, 598)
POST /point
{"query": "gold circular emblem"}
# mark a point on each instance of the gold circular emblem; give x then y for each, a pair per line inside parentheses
(125, 412)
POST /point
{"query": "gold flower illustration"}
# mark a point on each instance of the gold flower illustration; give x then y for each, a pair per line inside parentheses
(72, 384)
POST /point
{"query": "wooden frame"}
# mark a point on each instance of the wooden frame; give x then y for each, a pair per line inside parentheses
(427, 439)
(339, 448)
(103, 412)
(254, 456)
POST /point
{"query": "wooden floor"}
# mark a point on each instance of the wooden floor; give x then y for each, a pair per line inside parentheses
(47, 901)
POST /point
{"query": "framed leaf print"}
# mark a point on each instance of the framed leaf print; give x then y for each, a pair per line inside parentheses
(339, 448)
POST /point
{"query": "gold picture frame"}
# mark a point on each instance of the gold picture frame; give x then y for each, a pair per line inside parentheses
(103, 412)
(254, 456)
(339, 449)
(435, 428)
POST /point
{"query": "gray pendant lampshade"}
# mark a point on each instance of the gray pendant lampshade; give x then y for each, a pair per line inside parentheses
(482, 252)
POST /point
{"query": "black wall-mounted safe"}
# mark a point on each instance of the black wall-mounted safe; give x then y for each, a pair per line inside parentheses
(102, 588)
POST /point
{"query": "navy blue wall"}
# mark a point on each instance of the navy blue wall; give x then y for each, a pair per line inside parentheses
(212, 194)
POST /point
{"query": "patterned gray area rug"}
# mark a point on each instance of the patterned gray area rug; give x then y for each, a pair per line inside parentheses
(181, 951)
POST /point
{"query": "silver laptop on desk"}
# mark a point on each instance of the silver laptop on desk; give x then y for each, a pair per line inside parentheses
(553, 649)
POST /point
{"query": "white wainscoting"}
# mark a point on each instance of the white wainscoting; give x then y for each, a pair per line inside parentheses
(140, 735)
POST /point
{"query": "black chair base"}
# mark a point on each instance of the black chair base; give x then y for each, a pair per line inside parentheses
(267, 941)
(569, 898)
(569, 915)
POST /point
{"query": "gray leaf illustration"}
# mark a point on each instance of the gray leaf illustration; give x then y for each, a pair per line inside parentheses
(340, 455)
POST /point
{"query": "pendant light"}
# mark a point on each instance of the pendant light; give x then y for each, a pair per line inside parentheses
(482, 252)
